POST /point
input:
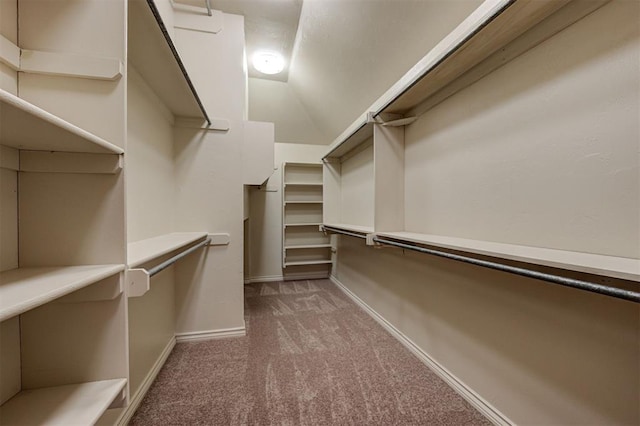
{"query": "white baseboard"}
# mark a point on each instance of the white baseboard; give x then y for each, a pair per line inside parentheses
(484, 407)
(196, 336)
(289, 277)
(130, 410)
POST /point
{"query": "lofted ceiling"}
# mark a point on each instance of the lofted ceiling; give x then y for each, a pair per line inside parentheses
(344, 54)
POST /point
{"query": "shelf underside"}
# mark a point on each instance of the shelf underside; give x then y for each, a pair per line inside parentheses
(306, 246)
(23, 289)
(150, 53)
(77, 404)
(308, 262)
(351, 228)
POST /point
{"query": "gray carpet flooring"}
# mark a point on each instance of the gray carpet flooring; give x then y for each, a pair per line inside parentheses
(310, 357)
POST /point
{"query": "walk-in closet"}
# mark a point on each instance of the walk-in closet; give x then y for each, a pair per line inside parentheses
(302, 212)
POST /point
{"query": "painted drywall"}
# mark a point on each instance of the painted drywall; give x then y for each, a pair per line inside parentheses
(9, 219)
(151, 327)
(150, 213)
(543, 152)
(277, 102)
(356, 196)
(149, 162)
(9, 30)
(349, 52)
(265, 218)
(209, 285)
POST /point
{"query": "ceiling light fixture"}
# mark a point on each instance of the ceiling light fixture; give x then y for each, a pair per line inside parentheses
(268, 62)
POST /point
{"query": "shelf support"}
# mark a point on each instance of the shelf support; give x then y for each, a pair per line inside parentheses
(62, 64)
(139, 279)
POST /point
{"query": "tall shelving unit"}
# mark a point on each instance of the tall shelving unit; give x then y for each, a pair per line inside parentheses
(75, 345)
(63, 333)
(303, 244)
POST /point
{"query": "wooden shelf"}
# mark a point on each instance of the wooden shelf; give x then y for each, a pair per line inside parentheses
(26, 126)
(23, 289)
(351, 228)
(308, 262)
(77, 404)
(494, 34)
(308, 246)
(152, 53)
(610, 266)
(143, 251)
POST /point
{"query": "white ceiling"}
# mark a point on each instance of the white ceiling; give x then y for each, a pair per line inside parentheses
(346, 54)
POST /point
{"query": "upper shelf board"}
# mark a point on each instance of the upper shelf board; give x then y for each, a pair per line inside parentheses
(363, 132)
(23, 289)
(494, 34)
(358, 229)
(610, 266)
(143, 251)
(76, 404)
(153, 54)
(28, 127)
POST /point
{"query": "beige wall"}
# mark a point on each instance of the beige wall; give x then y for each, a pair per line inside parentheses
(149, 162)
(265, 218)
(277, 102)
(542, 152)
(209, 197)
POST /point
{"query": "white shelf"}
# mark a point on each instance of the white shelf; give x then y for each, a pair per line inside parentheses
(308, 262)
(142, 251)
(154, 56)
(494, 34)
(610, 266)
(351, 228)
(301, 224)
(303, 184)
(77, 404)
(23, 289)
(304, 164)
(303, 202)
(26, 126)
(308, 246)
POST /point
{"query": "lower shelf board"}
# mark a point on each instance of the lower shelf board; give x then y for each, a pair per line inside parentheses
(77, 404)
(23, 289)
(308, 262)
(307, 246)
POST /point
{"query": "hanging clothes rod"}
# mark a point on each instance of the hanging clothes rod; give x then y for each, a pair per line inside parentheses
(342, 231)
(164, 265)
(619, 293)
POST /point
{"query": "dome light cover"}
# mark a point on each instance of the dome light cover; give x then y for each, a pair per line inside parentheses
(268, 62)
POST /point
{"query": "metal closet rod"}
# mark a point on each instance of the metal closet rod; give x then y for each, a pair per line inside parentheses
(555, 279)
(164, 265)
